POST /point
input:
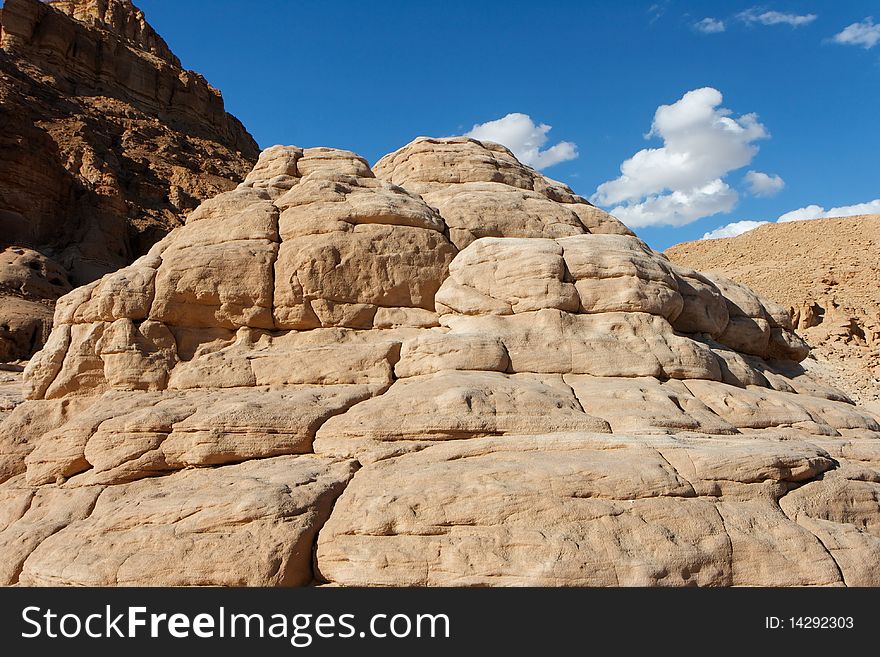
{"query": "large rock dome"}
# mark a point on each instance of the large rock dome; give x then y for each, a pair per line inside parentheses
(446, 370)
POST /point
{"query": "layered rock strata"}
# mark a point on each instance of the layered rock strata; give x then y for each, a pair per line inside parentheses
(322, 362)
(106, 143)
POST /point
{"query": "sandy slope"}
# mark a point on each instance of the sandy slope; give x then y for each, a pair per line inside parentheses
(828, 272)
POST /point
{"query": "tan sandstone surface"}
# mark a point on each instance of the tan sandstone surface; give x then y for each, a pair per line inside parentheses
(827, 272)
(446, 370)
(10, 389)
(106, 143)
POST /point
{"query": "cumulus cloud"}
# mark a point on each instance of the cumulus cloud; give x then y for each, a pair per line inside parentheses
(764, 184)
(734, 229)
(802, 214)
(755, 16)
(525, 139)
(682, 181)
(709, 25)
(818, 212)
(678, 207)
(865, 33)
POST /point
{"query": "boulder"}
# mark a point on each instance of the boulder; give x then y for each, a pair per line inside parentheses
(244, 525)
(574, 510)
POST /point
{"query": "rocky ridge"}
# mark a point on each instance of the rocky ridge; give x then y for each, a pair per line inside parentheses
(826, 271)
(106, 143)
(323, 378)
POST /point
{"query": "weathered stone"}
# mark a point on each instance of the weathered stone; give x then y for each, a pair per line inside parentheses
(321, 356)
(823, 275)
(34, 516)
(615, 273)
(240, 248)
(255, 423)
(563, 510)
(107, 144)
(757, 326)
(82, 368)
(843, 514)
(602, 344)
(435, 352)
(482, 191)
(244, 525)
(454, 405)
(26, 424)
(645, 405)
(368, 264)
(704, 309)
(137, 357)
(60, 452)
(521, 274)
(551, 405)
(29, 284)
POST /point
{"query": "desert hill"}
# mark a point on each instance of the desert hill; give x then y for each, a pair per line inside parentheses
(827, 271)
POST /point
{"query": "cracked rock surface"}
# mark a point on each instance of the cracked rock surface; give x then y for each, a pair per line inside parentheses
(445, 370)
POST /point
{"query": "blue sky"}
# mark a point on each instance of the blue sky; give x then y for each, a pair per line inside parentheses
(371, 76)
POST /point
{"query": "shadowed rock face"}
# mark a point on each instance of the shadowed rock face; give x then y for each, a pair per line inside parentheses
(105, 144)
(315, 363)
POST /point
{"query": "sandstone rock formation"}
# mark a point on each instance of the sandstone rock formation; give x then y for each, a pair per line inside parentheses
(321, 378)
(826, 273)
(492, 195)
(106, 142)
(10, 389)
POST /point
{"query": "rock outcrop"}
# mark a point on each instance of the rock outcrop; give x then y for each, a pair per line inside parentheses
(10, 389)
(321, 362)
(106, 143)
(492, 195)
(826, 273)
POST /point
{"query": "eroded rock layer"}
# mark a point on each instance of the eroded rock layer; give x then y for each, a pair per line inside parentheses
(323, 360)
(106, 143)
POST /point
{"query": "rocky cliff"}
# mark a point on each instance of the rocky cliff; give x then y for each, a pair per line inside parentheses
(322, 377)
(827, 272)
(105, 144)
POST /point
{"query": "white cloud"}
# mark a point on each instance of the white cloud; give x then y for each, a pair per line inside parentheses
(678, 207)
(682, 181)
(818, 212)
(754, 15)
(806, 213)
(709, 25)
(525, 139)
(734, 229)
(865, 33)
(801, 214)
(763, 184)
